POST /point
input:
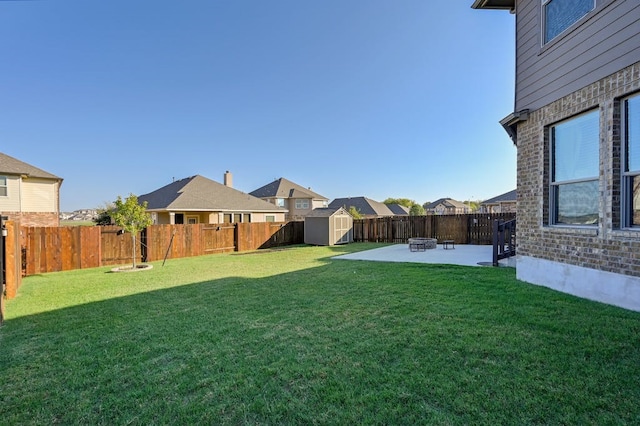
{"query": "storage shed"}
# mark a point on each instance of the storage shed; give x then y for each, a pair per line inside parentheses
(327, 227)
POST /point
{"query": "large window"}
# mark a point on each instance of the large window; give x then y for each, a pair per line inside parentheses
(559, 15)
(631, 161)
(302, 204)
(575, 170)
(3, 186)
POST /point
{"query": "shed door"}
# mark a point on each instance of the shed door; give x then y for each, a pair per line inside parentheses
(341, 229)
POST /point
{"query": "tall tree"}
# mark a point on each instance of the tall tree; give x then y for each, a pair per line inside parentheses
(416, 210)
(402, 201)
(132, 217)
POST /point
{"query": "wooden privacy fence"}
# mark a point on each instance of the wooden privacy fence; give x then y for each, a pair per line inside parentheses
(50, 249)
(463, 229)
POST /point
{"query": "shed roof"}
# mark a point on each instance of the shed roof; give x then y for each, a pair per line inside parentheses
(13, 166)
(283, 188)
(203, 194)
(326, 212)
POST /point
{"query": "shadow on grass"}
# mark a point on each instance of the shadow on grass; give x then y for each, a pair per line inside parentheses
(341, 342)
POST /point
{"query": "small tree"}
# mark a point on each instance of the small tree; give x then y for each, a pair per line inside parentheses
(355, 212)
(132, 217)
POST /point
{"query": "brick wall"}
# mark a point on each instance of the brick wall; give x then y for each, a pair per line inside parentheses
(606, 247)
(34, 219)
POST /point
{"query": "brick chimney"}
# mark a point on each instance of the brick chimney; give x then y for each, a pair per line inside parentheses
(228, 179)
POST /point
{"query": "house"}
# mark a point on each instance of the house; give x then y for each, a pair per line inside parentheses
(576, 125)
(447, 206)
(298, 200)
(503, 203)
(197, 199)
(367, 207)
(328, 227)
(28, 194)
(399, 210)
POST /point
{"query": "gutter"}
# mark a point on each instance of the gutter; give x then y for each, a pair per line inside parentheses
(510, 123)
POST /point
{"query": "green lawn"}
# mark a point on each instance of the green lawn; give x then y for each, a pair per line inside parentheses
(294, 337)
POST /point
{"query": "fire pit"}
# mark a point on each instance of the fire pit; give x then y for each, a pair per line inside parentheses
(422, 244)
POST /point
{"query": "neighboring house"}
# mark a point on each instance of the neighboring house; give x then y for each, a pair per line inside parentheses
(366, 207)
(447, 206)
(28, 194)
(503, 203)
(298, 200)
(576, 125)
(399, 210)
(197, 199)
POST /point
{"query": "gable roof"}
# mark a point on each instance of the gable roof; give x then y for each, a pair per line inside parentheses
(13, 166)
(447, 202)
(506, 197)
(283, 188)
(399, 209)
(363, 205)
(197, 193)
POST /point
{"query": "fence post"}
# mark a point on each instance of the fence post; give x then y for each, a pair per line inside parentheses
(13, 258)
(2, 281)
(496, 238)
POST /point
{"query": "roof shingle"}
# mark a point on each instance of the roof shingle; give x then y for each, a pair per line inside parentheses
(199, 193)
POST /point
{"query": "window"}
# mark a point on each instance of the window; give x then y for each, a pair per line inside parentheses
(631, 161)
(575, 170)
(3, 186)
(270, 218)
(192, 220)
(558, 15)
(302, 204)
(280, 202)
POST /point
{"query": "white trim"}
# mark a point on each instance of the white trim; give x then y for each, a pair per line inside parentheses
(606, 287)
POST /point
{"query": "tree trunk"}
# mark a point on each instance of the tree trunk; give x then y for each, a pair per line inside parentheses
(133, 239)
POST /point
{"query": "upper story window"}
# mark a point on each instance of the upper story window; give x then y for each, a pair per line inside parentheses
(631, 161)
(558, 15)
(575, 170)
(280, 202)
(3, 186)
(302, 204)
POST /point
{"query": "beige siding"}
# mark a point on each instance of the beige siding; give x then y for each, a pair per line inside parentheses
(39, 195)
(12, 201)
(262, 217)
(601, 43)
(163, 218)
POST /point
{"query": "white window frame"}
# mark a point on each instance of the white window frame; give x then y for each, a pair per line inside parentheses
(279, 202)
(192, 220)
(554, 185)
(270, 218)
(626, 174)
(302, 204)
(543, 17)
(4, 185)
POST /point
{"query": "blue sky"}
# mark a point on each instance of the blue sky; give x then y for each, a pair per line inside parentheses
(375, 98)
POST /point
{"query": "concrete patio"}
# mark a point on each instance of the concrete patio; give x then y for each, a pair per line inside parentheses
(466, 255)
